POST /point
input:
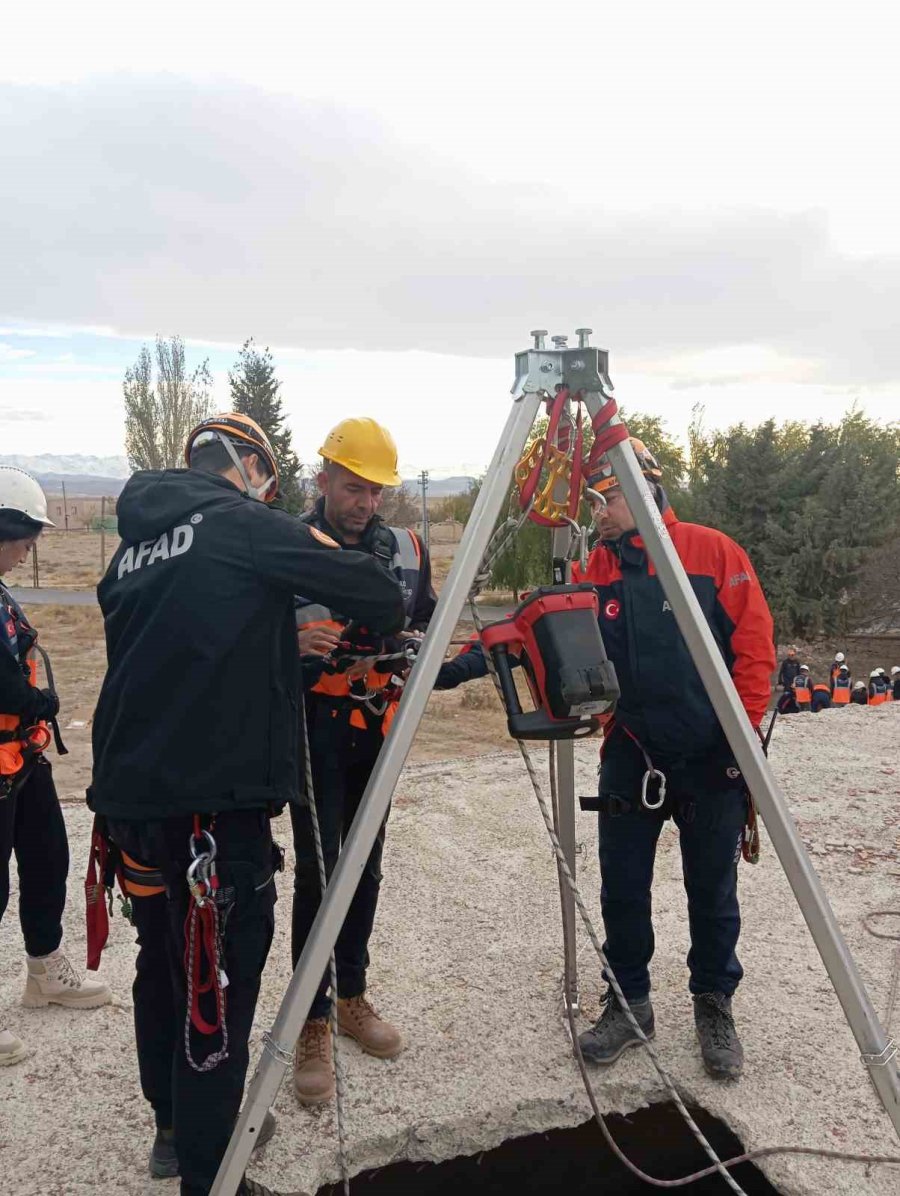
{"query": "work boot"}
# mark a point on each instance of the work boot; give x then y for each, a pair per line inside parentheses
(358, 1019)
(313, 1063)
(612, 1034)
(164, 1160)
(53, 981)
(723, 1055)
(12, 1049)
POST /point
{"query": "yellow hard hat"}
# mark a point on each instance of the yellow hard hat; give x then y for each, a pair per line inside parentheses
(365, 448)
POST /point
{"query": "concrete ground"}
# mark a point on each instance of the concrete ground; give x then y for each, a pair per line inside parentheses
(467, 959)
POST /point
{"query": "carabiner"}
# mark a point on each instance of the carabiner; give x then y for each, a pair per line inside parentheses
(648, 775)
(210, 848)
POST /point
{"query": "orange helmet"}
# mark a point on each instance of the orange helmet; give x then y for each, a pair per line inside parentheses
(602, 476)
(232, 428)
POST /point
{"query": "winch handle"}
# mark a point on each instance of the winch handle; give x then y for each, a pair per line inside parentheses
(500, 657)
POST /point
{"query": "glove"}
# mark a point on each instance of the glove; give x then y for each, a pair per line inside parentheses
(360, 641)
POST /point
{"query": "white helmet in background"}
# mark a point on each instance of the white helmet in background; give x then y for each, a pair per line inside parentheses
(859, 685)
(840, 657)
(895, 670)
(21, 494)
(874, 673)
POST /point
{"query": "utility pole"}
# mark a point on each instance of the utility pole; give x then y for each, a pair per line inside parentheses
(423, 482)
(65, 507)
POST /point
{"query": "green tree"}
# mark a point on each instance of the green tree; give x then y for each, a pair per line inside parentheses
(160, 412)
(254, 392)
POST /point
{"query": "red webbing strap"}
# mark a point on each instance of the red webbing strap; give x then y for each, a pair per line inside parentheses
(96, 913)
(605, 437)
(203, 947)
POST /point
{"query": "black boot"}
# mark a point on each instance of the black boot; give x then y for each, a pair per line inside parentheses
(723, 1055)
(164, 1160)
(613, 1033)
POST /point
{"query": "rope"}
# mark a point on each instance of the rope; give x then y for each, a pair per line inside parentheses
(340, 1094)
(717, 1165)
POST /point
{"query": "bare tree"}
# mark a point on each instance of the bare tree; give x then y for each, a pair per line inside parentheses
(159, 417)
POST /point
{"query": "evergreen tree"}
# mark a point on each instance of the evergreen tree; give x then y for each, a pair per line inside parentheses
(254, 392)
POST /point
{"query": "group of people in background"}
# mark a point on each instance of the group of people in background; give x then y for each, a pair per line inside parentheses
(800, 692)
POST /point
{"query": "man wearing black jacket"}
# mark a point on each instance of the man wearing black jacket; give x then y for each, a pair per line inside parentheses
(196, 741)
(349, 711)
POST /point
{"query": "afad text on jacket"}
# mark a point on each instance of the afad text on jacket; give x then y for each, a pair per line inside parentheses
(199, 707)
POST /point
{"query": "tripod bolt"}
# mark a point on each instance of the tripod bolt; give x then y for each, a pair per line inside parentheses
(584, 337)
(559, 342)
(538, 334)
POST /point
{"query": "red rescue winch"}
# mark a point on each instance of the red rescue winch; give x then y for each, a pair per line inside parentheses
(556, 637)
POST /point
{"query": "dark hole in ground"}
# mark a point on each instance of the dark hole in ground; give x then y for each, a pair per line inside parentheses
(577, 1161)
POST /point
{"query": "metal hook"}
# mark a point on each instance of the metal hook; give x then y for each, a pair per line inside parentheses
(650, 773)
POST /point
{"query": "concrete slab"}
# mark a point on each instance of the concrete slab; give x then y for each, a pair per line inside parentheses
(467, 958)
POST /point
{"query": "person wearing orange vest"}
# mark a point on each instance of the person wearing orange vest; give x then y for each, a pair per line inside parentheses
(31, 821)
(802, 687)
(895, 682)
(878, 688)
(842, 687)
(839, 659)
(351, 701)
(821, 697)
(888, 685)
(858, 695)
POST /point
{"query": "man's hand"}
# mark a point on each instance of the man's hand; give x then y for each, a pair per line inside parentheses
(317, 641)
(359, 670)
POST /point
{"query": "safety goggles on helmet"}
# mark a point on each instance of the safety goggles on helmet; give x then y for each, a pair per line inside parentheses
(233, 430)
(603, 477)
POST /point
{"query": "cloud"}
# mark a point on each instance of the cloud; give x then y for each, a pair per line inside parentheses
(8, 353)
(221, 211)
(12, 415)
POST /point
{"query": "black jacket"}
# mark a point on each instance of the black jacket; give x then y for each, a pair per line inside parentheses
(788, 671)
(199, 707)
(17, 636)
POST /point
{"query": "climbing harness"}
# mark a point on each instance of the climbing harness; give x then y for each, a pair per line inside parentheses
(204, 932)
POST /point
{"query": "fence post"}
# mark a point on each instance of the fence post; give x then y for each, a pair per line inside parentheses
(102, 535)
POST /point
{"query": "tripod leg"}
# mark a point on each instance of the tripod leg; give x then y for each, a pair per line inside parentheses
(277, 1055)
(875, 1049)
(565, 832)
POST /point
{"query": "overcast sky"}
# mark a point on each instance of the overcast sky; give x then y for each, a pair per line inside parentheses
(391, 195)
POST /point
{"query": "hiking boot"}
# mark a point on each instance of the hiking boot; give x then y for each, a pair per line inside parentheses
(53, 981)
(358, 1019)
(12, 1049)
(723, 1055)
(612, 1034)
(313, 1064)
(164, 1160)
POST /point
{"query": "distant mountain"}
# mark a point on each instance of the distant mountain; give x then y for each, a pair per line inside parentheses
(440, 487)
(76, 465)
(95, 476)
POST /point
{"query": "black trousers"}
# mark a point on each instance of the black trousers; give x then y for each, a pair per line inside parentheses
(32, 826)
(342, 759)
(706, 800)
(201, 1106)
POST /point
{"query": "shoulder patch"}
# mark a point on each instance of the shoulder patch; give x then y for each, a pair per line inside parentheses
(321, 537)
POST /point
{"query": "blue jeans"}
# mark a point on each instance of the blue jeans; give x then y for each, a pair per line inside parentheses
(707, 802)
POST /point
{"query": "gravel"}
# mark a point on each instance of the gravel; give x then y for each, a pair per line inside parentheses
(467, 960)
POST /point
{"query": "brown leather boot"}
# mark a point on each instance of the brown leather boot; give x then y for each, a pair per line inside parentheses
(313, 1064)
(359, 1020)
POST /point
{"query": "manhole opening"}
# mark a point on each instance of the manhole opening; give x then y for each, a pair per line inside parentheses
(576, 1161)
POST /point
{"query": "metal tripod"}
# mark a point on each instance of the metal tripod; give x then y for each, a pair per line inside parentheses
(539, 374)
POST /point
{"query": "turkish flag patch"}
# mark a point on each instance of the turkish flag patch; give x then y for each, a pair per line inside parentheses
(611, 609)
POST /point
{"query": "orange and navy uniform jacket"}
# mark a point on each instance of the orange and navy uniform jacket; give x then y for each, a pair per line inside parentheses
(878, 691)
(842, 687)
(821, 696)
(402, 554)
(803, 689)
(23, 707)
(663, 702)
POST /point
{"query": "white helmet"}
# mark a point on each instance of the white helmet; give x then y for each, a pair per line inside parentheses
(859, 685)
(804, 668)
(839, 656)
(880, 671)
(895, 670)
(22, 494)
(874, 673)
